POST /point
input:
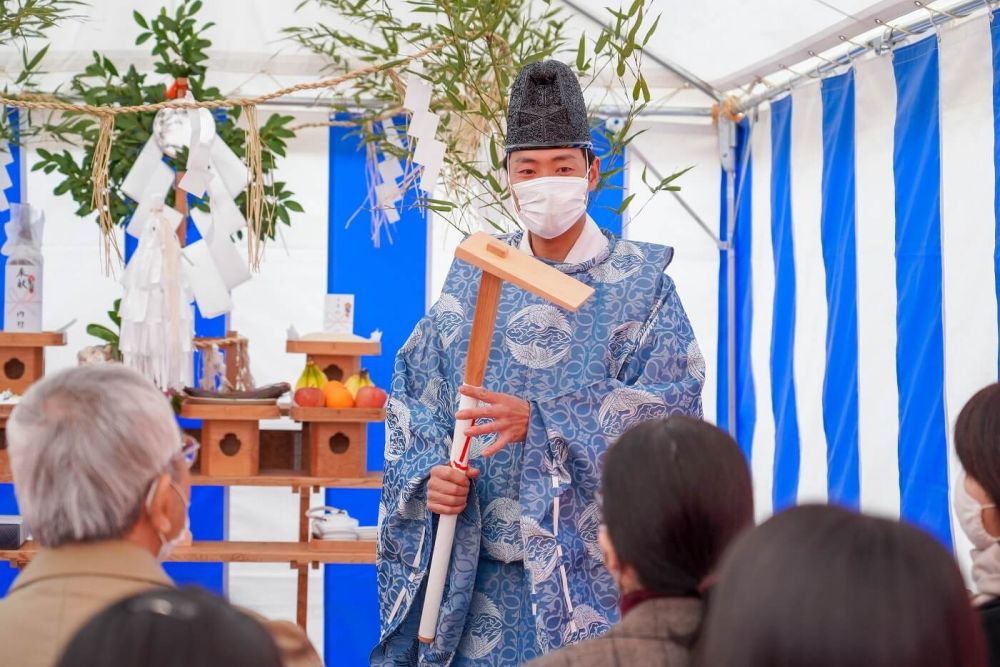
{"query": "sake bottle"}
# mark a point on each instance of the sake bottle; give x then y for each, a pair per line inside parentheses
(23, 286)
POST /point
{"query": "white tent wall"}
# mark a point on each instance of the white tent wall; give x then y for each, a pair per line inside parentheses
(671, 147)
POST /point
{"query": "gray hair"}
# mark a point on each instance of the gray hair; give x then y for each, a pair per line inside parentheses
(85, 444)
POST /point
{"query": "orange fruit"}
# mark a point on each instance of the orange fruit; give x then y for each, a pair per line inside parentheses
(337, 395)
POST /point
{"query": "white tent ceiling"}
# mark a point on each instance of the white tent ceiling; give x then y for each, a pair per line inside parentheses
(727, 44)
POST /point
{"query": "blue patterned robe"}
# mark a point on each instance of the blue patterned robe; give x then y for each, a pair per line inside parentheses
(526, 573)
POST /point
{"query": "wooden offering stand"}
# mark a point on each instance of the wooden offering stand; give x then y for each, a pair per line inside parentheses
(22, 357)
(336, 438)
(230, 436)
(5, 410)
(22, 363)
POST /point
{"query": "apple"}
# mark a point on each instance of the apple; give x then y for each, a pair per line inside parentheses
(370, 397)
(309, 397)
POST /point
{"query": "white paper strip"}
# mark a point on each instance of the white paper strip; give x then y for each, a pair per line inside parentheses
(389, 169)
(206, 282)
(159, 179)
(232, 268)
(143, 170)
(229, 168)
(226, 214)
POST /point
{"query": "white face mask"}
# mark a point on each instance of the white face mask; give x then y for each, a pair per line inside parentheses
(549, 206)
(167, 546)
(970, 517)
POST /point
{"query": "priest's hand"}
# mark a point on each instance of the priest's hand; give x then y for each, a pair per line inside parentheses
(509, 414)
(448, 489)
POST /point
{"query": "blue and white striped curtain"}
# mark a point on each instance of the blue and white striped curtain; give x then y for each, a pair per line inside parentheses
(867, 277)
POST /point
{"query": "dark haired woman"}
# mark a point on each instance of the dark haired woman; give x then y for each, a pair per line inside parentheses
(172, 627)
(676, 492)
(977, 441)
(821, 586)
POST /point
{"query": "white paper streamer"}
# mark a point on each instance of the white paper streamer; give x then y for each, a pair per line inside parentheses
(157, 317)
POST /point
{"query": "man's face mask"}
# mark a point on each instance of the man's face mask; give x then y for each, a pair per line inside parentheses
(549, 206)
(168, 544)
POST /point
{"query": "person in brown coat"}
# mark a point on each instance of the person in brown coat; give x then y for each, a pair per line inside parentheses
(675, 493)
(101, 473)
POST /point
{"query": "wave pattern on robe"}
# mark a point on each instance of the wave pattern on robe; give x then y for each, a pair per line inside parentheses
(526, 545)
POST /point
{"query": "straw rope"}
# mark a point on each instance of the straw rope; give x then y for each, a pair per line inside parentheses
(100, 197)
(40, 101)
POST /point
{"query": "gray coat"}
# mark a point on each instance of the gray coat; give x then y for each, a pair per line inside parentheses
(655, 633)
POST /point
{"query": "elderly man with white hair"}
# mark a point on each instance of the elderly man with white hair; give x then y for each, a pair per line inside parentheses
(101, 473)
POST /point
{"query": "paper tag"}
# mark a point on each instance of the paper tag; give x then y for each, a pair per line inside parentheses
(418, 94)
(423, 125)
(338, 315)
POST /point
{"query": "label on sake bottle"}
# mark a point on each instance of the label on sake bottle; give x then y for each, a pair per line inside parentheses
(23, 296)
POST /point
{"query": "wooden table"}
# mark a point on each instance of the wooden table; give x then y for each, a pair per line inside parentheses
(294, 553)
(300, 556)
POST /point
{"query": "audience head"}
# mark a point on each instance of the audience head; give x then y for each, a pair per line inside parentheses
(977, 442)
(96, 454)
(171, 628)
(676, 491)
(825, 587)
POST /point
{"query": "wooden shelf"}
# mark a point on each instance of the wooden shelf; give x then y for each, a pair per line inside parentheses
(359, 551)
(229, 411)
(292, 478)
(300, 414)
(37, 339)
(334, 346)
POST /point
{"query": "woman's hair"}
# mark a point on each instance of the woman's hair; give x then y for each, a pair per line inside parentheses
(825, 587)
(676, 491)
(977, 439)
(186, 627)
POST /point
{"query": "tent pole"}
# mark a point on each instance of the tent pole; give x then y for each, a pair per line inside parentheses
(730, 250)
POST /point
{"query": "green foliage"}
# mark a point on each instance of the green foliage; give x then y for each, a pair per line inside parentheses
(179, 43)
(491, 40)
(105, 334)
(21, 20)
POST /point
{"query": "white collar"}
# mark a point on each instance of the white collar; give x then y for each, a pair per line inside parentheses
(589, 245)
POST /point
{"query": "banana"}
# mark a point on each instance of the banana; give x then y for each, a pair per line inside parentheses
(311, 377)
(357, 381)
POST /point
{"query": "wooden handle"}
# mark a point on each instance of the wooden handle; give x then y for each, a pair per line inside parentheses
(483, 322)
(480, 341)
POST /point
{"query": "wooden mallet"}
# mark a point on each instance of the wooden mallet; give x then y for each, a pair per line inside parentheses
(500, 263)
